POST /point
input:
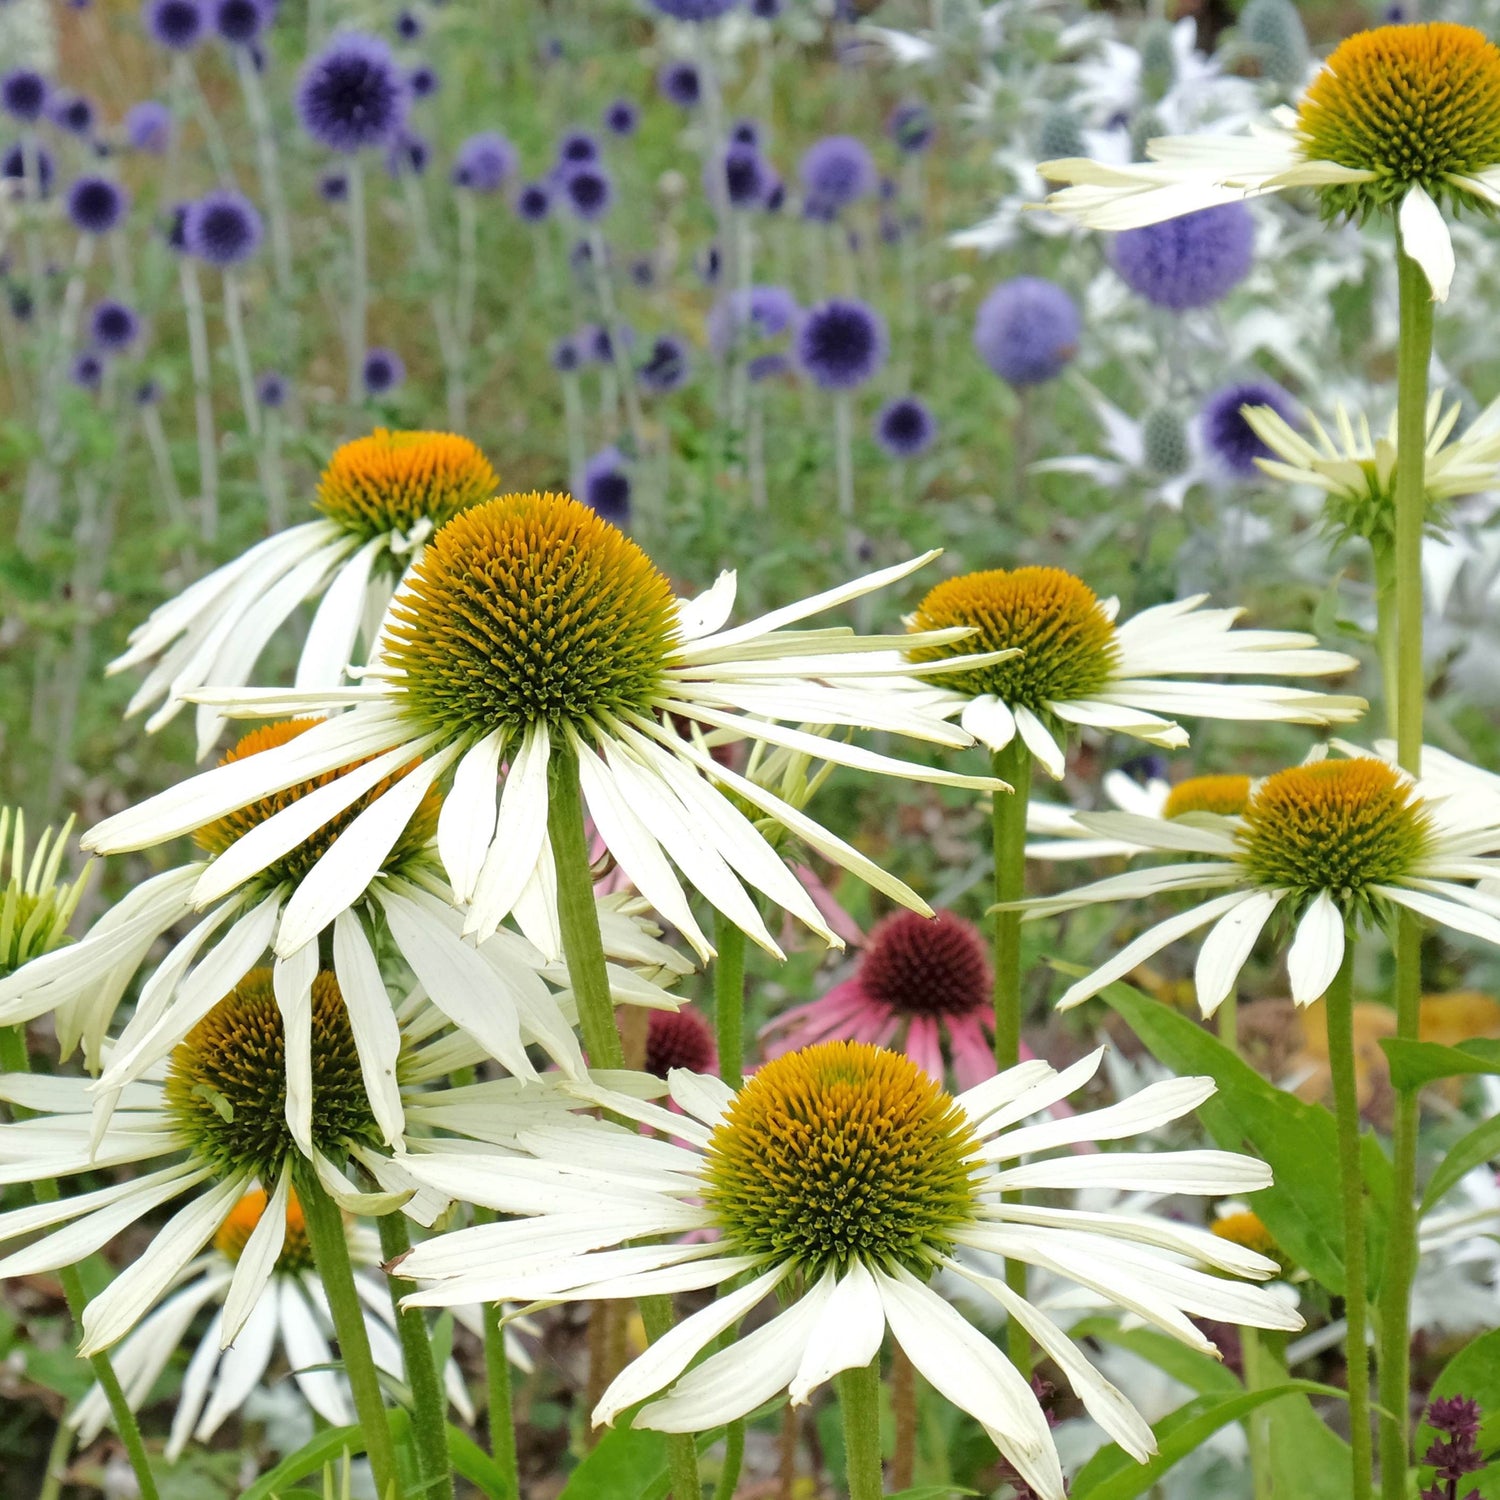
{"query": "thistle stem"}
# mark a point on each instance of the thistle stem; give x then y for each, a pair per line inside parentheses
(429, 1404)
(358, 280)
(1414, 354)
(203, 398)
(729, 1000)
(330, 1247)
(1340, 1009)
(859, 1399)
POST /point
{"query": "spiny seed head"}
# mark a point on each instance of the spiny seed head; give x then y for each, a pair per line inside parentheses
(1338, 825)
(234, 1233)
(527, 608)
(842, 1152)
(926, 966)
(214, 838)
(1412, 104)
(1066, 639)
(389, 481)
(226, 1081)
(1164, 441)
(1223, 795)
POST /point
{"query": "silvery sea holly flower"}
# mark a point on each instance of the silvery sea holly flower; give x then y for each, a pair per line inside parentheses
(1400, 118)
(381, 498)
(532, 629)
(1077, 668)
(843, 1178)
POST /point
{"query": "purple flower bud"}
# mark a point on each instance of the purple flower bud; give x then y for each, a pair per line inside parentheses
(113, 326)
(666, 365)
(533, 202)
(837, 171)
(222, 228)
(409, 26)
(695, 10)
(588, 193)
(87, 371)
(423, 81)
(240, 22)
(148, 126)
(96, 204)
(577, 149)
(74, 114)
(909, 125)
(23, 95)
(680, 84)
(384, 371)
(409, 152)
(905, 428)
(1027, 330)
(566, 357)
(484, 162)
(621, 118)
(605, 487)
(333, 187)
(177, 25)
(841, 343)
(352, 94)
(271, 390)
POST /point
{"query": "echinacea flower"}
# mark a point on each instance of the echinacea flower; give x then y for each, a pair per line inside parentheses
(531, 631)
(1330, 844)
(1077, 668)
(381, 497)
(35, 904)
(1072, 834)
(1399, 118)
(919, 983)
(844, 1177)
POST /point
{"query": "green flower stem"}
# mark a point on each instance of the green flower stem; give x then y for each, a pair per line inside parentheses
(1340, 1007)
(1414, 354)
(1387, 635)
(859, 1398)
(1008, 834)
(734, 1458)
(578, 920)
(14, 1058)
(330, 1247)
(501, 1420)
(429, 1404)
(729, 1000)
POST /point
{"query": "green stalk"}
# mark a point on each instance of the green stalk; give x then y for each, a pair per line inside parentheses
(14, 1058)
(1008, 837)
(1387, 633)
(734, 1458)
(859, 1399)
(1340, 1007)
(729, 1000)
(1414, 354)
(501, 1422)
(330, 1248)
(429, 1404)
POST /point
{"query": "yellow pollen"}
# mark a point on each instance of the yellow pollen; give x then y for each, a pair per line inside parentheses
(1225, 795)
(388, 481)
(234, 1233)
(1246, 1229)
(1055, 619)
(214, 838)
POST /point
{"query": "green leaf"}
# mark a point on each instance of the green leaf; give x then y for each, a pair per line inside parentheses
(1475, 1372)
(932, 1492)
(629, 1463)
(1308, 1458)
(322, 1448)
(1112, 1474)
(1472, 1150)
(475, 1465)
(1416, 1064)
(1297, 1141)
(1201, 1373)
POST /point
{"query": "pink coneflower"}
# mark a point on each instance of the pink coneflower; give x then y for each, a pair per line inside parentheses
(921, 981)
(679, 1039)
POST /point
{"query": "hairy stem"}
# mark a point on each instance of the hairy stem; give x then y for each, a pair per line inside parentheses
(859, 1400)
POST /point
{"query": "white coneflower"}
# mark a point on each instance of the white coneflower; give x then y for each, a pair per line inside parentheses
(531, 633)
(844, 1177)
(382, 496)
(1075, 834)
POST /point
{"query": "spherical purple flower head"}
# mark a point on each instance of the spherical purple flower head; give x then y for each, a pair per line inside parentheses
(484, 162)
(567, 357)
(148, 126)
(240, 22)
(767, 367)
(333, 187)
(745, 133)
(680, 84)
(222, 228)
(1027, 330)
(837, 171)
(642, 273)
(695, 10)
(909, 125)
(408, 26)
(533, 203)
(1189, 262)
(95, 204)
(113, 326)
(352, 94)
(761, 312)
(621, 118)
(746, 177)
(775, 198)
(409, 152)
(588, 192)
(765, 10)
(1229, 437)
(271, 390)
(598, 344)
(74, 114)
(32, 166)
(666, 365)
(148, 393)
(604, 486)
(87, 371)
(177, 25)
(577, 148)
(174, 228)
(422, 81)
(841, 343)
(23, 95)
(905, 427)
(384, 371)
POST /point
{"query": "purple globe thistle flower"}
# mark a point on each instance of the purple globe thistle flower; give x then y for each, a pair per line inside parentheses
(767, 367)
(1189, 262)
(87, 371)
(148, 392)
(588, 192)
(745, 133)
(761, 312)
(709, 264)
(333, 187)
(577, 148)
(745, 175)
(174, 229)
(533, 202)
(352, 94)
(113, 326)
(765, 10)
(841, 343)
(74, 114)
(409, 152)
(240, 22)
(837, 171)
(598, 343)
(422, 81)
(223, 228)
(909, 125)
(775, 197)
(148, 126)
(695, 10)
(31, 167)
(643, 273)
(905, 428)
(1229, 437)
(409, 26)
(23, 95)
(96, 204)
(384, 371)
(666, 365)
(605, 486)
(680, 84)
(566, 356)
(621, 118)
(271, 390)
(177, 25)
(484, 162)
(1027, 330)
